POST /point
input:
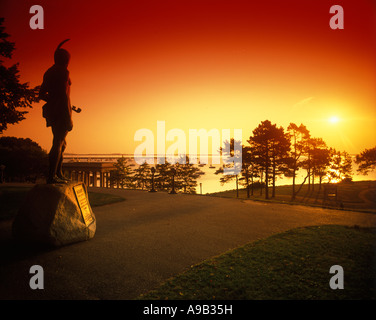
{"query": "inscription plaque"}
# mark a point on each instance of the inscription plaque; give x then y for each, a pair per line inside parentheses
(83, 203)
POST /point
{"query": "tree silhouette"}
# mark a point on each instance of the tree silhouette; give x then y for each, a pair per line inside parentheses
(186, 176)
(122, 175)
(319, 159)
(366, 161)
(316, 161)
(13, 94)
(340, 166)
(249, 168)
(307, 163)
(163, 176)
(270, 149)
(228, 151)
(298, 137)
(142, 176)
(24, 159)
(280, 148)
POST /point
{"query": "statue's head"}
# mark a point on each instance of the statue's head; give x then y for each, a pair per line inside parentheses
(61, 56)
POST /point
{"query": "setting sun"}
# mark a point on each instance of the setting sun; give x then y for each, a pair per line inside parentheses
(334, 120)
(141, 139)
(194, 65)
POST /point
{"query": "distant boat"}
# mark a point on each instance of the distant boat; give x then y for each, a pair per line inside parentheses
(212, 167)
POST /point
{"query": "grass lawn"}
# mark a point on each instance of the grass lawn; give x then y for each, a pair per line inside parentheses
(358, 196)
(11, 199)
(100, 199)
(290, 265)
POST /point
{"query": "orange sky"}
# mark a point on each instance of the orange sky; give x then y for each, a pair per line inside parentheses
(202, 64)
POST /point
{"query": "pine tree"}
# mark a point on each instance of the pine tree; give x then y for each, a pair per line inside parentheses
(298, 137)
(186, 176)
(122, 176)
(366, 161)
(142, 176)
(163, 176)
(271, 145)
(340, 166)
(13, 94)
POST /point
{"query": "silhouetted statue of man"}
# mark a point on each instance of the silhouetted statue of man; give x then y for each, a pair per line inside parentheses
(55, 90)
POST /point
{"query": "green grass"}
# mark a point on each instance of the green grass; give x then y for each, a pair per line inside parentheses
(357, 196)
(97, 199)
(11, 199)
(291, 265)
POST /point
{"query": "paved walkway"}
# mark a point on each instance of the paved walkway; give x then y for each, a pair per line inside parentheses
(149, 238)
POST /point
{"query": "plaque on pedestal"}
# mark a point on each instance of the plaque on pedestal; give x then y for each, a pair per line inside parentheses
(83, 204)
(55, 214)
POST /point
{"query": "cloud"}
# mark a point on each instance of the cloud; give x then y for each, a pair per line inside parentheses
(303, 102)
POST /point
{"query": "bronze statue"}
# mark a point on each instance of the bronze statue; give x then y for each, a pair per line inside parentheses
(55, 90)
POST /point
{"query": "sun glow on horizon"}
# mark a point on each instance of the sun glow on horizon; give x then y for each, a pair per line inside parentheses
(198, 66)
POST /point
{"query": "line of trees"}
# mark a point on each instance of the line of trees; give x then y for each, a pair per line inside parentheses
(21, 160)
(273, 152)
(185, 176)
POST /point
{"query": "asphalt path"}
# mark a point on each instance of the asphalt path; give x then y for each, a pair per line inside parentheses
(148, 238)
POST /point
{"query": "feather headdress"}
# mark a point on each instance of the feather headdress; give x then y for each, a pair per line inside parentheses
(61, 56)
(61, 43)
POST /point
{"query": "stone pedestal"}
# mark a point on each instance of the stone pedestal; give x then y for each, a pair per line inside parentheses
(56, 215)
